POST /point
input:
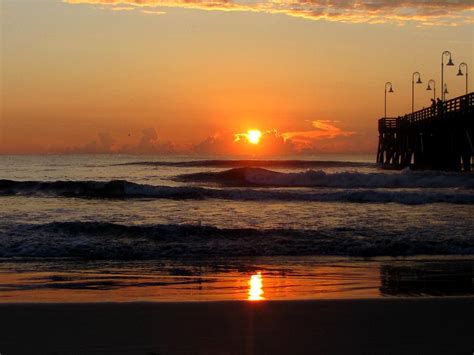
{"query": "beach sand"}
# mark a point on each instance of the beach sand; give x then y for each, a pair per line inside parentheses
(375, 326)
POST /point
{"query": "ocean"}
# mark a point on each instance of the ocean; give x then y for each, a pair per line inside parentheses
(126, 228)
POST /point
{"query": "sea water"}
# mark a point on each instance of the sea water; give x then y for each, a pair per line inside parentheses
(103, 228)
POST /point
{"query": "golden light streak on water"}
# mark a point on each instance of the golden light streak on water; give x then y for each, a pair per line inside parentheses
(256, 287)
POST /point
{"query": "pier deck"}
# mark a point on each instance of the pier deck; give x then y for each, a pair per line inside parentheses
(440, 138)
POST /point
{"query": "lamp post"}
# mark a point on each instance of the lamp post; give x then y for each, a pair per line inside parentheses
(390, 90)
(450, 63)
(413, 88)
(445, 90)
(460, 73)
(434, 88)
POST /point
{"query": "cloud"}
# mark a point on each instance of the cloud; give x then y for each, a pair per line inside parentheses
(246, 136)
(322, 136)
(230, 144)
(321, 129)
(153, 12)
(147, 143)
(103, 144)
(422, 12)
(119, 8)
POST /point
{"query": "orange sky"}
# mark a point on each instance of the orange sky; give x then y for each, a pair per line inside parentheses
(153, 76)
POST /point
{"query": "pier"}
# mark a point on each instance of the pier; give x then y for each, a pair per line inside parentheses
(439, 137)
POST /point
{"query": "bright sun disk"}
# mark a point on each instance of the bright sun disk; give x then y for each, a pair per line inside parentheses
(253, 136)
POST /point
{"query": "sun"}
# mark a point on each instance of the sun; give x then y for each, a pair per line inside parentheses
(253, 136)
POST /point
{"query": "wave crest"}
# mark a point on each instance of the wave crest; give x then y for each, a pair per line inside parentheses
(249, 176)
(105, 240)
(123, 189)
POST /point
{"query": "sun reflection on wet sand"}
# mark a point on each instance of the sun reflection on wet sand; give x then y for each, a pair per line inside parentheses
(256, 288)
(284, 280)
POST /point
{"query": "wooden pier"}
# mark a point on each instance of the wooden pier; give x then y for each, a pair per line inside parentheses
(438, 138)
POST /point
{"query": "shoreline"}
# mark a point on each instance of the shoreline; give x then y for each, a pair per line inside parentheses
(336, 326)
(269, 279)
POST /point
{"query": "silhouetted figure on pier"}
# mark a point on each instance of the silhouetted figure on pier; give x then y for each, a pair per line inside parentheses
(439, 106)
(433, 107)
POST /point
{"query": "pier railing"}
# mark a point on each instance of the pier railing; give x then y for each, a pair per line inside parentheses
(438, 137)
(458, 104)
(388, 123)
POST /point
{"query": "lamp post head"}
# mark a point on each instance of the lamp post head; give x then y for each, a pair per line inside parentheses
(429, 87)
(391, 89)
(446, 90)
(450, 62)
(419, 81)
(460, 73)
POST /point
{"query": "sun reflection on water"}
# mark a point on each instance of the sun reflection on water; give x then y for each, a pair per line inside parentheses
(256, 287)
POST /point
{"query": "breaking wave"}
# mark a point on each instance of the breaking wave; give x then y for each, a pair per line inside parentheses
(123, 189)
(103, 240)
(318, 178)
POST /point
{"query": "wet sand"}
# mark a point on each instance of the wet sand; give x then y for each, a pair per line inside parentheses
(375, 326)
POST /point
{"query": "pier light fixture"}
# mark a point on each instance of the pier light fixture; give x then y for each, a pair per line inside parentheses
(390, 91)
(445, 91)
(450, 63)
(415, 74)
(460, 73)
(431, 81)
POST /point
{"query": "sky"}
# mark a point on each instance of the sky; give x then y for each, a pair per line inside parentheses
(193, 76)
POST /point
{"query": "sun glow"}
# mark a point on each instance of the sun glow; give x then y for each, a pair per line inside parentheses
(256, 287)
(253, 136)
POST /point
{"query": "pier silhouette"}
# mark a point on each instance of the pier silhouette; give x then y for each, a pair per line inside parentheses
(440, 137)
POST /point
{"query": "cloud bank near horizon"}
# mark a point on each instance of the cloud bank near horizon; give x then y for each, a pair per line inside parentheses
(421, 12)
(322, 136)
